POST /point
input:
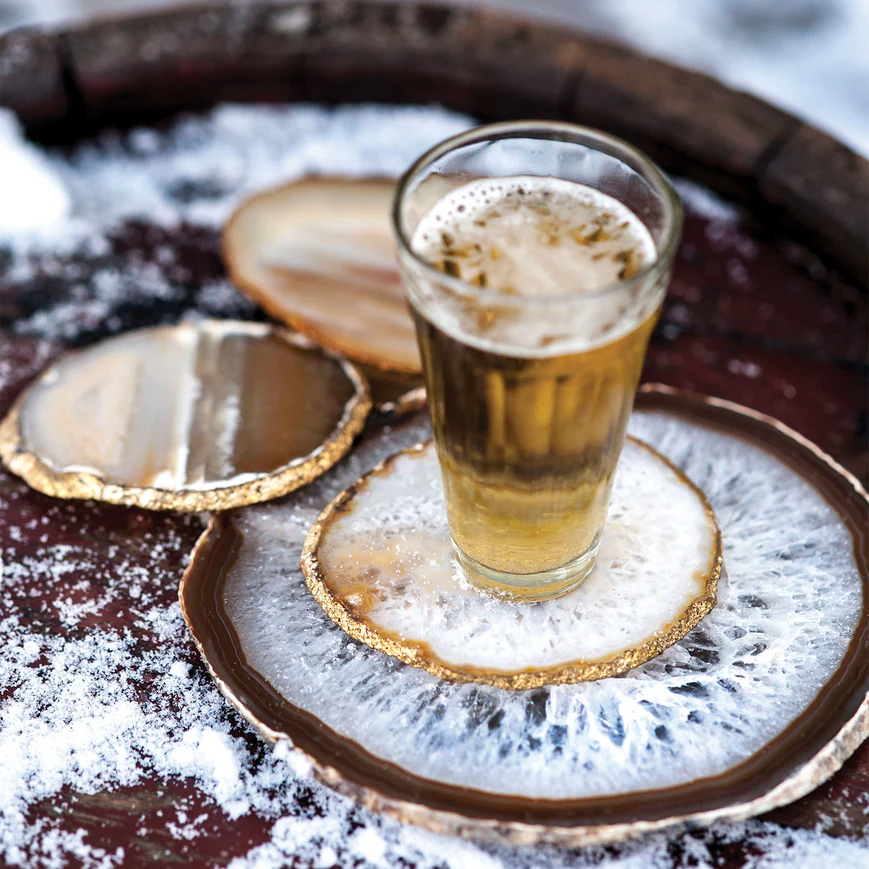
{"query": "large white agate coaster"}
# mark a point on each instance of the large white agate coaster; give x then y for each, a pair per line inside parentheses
(206, 415)
(380, 563)
(753, 708)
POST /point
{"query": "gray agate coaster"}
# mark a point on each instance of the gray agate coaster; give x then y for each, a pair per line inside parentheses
(759, 704)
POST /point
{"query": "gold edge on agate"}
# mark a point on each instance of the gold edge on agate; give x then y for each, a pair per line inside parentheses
(409, 402)
(420, 654)
(39, 475)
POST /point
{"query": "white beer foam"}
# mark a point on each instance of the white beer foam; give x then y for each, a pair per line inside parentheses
(394, 542)
(537, 235)
(545, 239)
(784, 618)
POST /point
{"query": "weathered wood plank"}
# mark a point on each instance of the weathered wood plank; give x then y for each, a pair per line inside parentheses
(31, 77)
(177, 60)
(492, 67)
(819, 184)
(684, 117)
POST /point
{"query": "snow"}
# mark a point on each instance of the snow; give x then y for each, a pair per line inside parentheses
(33, 198)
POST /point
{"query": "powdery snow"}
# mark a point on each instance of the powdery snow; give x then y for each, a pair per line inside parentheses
(33, 199)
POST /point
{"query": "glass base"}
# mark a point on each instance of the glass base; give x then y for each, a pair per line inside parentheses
(529, 587)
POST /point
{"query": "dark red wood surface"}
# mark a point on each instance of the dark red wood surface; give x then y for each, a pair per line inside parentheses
(753, 314)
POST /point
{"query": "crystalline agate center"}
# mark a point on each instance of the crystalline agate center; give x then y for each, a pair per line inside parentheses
(386, 554)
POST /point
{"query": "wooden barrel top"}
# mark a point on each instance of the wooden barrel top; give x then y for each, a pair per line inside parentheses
(491, 66)
(774, 317)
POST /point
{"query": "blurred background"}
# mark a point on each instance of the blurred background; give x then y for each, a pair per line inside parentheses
(807, 56)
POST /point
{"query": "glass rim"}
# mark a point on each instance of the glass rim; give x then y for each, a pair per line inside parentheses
(530, 129)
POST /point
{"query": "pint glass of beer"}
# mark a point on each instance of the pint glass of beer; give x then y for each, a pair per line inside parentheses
(535, 257)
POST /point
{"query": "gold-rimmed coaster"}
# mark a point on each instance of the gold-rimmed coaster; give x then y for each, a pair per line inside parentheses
(206, 415)
(318, 254)
(380, 563)
(395, 395)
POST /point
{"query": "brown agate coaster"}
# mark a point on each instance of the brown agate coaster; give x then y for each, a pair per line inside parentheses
(752, 709)
(380, 563)
(318, 254)
(201, 416)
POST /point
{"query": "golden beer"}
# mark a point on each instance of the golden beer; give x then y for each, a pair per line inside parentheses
(534, 298)
(528, 447)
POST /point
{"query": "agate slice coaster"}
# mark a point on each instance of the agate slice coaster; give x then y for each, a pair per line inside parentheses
(206, 415)
(395, 395)
(380, 563)
(318, 254)
(752, 709)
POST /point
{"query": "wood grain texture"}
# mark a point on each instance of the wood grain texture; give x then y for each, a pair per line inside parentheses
(335, 52)
(487, 65)
(825, 186)
(176, 60)
(687, 118)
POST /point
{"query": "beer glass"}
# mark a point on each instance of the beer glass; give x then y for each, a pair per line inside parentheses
(530, 394)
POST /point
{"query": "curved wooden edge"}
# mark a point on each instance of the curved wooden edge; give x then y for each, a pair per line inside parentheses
(824, 183)
(31, 77)
(332, 52)
(680, 111)
(490, 65)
